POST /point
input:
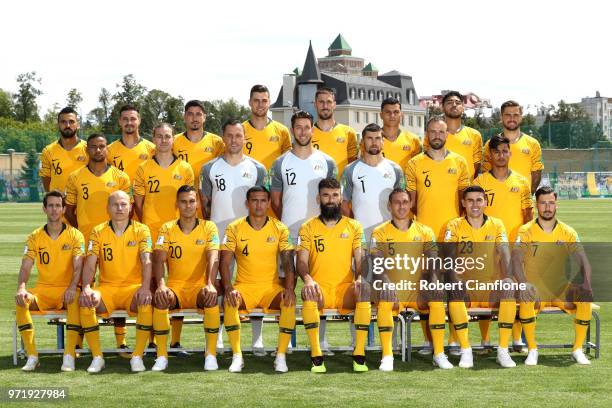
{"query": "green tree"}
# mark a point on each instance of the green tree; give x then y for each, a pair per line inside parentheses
(29, 173)
(51, 115)
(26, 108)
(74, 99)
(6, 105)
(218, 111)
(569, 126)
(159, 106)
(101, 115)
(128, 92)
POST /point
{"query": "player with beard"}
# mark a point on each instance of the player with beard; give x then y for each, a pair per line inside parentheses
(266, 139)
(328, 246)
(463, 140)
(337, 140)
(65, 155)
(539, 258)
(526, 153)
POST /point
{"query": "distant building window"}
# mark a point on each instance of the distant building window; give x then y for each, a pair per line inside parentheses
(357, 116)
(362, 94)
(398, 97)
(352, 93)
(381, 95)
(366, 117)
(410, 121)
(389, 95)
(419, 121)
(371, 95)
(403, 121)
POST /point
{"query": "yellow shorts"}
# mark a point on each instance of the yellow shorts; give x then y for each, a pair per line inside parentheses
(186, 294)
(413, 305)
(117, 297)
(258, 295)
(567, 307)
(49, 297)
(333, 297)
(486, 305)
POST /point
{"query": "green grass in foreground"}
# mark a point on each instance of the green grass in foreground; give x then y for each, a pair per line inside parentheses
(555, 382)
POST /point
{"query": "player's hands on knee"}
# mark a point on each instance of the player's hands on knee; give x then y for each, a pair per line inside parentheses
(232, 297)
(87, 298)
(288, 297)
(362, 290)
(69, 295)
(22, 297)
(529, 294)
(311, 291)
(162, 296)
(209, 294)
(143, 296)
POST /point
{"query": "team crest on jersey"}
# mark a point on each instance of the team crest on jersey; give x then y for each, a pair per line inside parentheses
(416, 239)
(340, 139)
(247, 175)
(131, 243)
(387, 176)
(178, 177)
(143, 156)
(452, 170)
(406, 147)
(111, 184)
(344, 235)
(318, 167)
(208, 149)
(514, 189)
(560, 242)
(270, 239)
(66, 247)
(525, 151)
(488, 237)
(199, 242)
(274, 138)
(81, 158)
(467, 142)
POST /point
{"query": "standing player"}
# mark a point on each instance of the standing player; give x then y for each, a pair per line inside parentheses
(88, 188)
(62, 157)
(189, 247)
(326, 240)
(121, 248)
(400, 145)
(463, 140)
(128, 152)
(57, 249)
(157, 180)
(266, 139)
(368, 181)
(539, 258)
(337, 140)
(404, 237)
(256, 242)
(526, 153)
(473, 237)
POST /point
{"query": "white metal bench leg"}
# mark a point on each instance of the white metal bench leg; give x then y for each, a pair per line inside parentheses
(15, 343)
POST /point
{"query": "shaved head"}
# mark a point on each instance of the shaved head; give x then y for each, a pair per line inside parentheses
(116, 195)
(119, 205)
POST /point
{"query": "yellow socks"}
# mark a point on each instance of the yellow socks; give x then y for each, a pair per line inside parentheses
(91, 331)
(286, 326)
(385, 327)
(73, 327)
(144, 324)
(505, 320)
(161, 329)
(26, 328)
(211, 329)
(177, 328)
(437, 320)
(528, 321)
(581, 323)
(363, 315)
(459, 318)
(232, 327)
(310, 315)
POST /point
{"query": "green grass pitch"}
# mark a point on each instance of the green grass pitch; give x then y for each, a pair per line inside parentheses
(555, 382)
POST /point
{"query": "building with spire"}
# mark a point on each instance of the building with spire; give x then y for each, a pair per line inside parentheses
(359, 89)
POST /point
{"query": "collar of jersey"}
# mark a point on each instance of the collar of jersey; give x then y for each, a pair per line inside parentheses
(197, 222)
(121, 141)
(173, 160)
(484, 221)
(248, 220)
(537, 221)
(110, 224)
(61, 232)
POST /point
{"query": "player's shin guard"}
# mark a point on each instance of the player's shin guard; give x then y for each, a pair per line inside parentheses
(161, 329)
(232, 327)
(144, 324)
(484, 325)
(91, 331)
(177, 328)
(528, 321)
(26, 328)
(73, 327)
(505, 320)
(437, 320)
(211, 329)
(310, 315)
(385, 327)
(459, 318)
(286, 326)
(581, 323)
(363, 315)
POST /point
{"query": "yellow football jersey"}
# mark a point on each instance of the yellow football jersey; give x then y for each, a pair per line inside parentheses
(57, 163)
(268, 144)
(256, 251)
(506, 199)
(89, 194)
(405, 147)
(437, 185)
(196, 154)
(526, 156)
(186, 253)
(340, 143)
(53, 257)
(128, 160)
(119, 257)
(479, 245)
(331, 249)
(158, 186)
(467, 143)
(545, 256)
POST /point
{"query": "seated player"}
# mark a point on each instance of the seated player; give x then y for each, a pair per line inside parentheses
(329, 244)
(57, 249)
(189, 246)
(402, 236)
(255, 242)
(539, 258)
(122, 249)
(480, 241)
